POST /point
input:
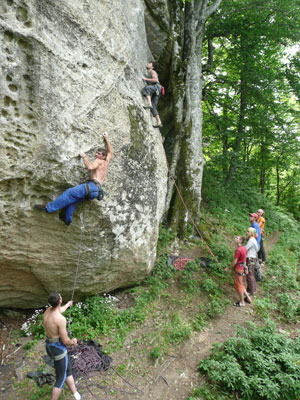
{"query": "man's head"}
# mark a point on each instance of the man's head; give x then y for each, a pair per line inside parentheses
(101, 153)
(54, 299)
(253, 217)
(151, 65)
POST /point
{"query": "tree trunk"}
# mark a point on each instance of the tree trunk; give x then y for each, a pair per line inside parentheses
(262, 178)
(277, 186)
(187, 88)
(240, 131)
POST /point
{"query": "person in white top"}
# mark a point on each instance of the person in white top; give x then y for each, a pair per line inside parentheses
(252, 250)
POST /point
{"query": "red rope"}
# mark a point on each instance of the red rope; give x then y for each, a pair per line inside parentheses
(185, 206)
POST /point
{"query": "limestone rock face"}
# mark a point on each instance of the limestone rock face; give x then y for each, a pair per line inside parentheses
(71, 70)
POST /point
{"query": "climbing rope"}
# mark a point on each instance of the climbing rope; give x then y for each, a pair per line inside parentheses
(78, 263)
(88, 358)
(184, 204)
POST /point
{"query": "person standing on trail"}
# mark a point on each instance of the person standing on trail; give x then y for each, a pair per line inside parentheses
(57, 339)
(253, 218)
(152, 92)
(261, 222)
(89, 190)
(252, 250)
(239, 271)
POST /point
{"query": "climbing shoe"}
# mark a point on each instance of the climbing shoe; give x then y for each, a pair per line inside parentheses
(40, 207)
(147, 107)
(158, 126)
(62, 216)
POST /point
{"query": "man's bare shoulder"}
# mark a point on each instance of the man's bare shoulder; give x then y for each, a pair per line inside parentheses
(102, 163)
(54, 316)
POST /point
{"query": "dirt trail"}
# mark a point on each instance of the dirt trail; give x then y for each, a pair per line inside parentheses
(174, 378)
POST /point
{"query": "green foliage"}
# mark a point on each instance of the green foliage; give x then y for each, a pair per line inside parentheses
(165, 238)
(199, 322)
(289, 306)
(282, 279)
(220, 248)
(215, 306)
(251, 117)
(155, 353)
(263, 307)
(177, 330)
(208, 392)
(187, 280)
(41, 393)
(209, 286)
(257, 364)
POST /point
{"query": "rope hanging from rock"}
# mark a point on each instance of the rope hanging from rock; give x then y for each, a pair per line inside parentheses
(78, 263)
(184, 204)
(87, 357)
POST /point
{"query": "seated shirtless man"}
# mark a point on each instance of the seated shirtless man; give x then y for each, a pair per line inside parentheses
(92, 189)
(57, 340)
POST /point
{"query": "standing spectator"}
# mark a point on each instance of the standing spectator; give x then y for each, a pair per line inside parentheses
(253, 218)
(261, 222)
(239, 271)
(252, 249)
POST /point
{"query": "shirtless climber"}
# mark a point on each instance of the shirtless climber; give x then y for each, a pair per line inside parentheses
(89, 190)
(152, 92)
(57, 340)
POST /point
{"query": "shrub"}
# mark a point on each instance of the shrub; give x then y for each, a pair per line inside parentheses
(258, 364)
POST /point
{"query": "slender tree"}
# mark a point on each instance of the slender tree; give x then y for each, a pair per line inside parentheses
(188, 19)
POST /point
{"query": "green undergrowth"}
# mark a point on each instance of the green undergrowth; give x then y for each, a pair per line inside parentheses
(258, 363)
(281, 281)
(169, 306)
(164, 295)
(230, 205)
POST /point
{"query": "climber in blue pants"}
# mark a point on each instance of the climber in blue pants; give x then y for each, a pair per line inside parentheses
(89, 190)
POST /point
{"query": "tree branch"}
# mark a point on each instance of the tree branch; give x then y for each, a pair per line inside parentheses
(209, 64)
(210, 10)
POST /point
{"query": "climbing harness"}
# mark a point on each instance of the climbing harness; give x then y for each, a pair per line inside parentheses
(101, 192)
(60, 356)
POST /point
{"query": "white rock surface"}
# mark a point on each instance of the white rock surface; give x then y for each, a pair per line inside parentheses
(71, 70)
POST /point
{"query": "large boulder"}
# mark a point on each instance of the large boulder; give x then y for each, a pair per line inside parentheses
(70, 71)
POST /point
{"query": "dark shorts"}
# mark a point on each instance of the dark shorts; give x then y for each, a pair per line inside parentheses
(62, 367)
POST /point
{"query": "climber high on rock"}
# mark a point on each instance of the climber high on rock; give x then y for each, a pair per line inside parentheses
(152, 92)
(89, 190)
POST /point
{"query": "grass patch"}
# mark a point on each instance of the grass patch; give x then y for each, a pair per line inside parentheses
(257, 364)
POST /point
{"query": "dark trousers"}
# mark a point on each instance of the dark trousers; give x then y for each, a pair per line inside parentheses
(151, 90)
(250, 278)
(262, 253)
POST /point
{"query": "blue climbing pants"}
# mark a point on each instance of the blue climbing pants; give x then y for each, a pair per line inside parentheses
(62, 366)
(70, 198)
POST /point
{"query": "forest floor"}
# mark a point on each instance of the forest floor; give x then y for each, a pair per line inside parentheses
(173, 377)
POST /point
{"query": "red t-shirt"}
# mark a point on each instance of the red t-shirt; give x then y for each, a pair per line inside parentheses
(240, 254)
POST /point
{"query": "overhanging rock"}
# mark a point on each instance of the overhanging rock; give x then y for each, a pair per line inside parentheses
(70, 71)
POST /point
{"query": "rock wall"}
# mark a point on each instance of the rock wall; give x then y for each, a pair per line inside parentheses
(70, 71)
